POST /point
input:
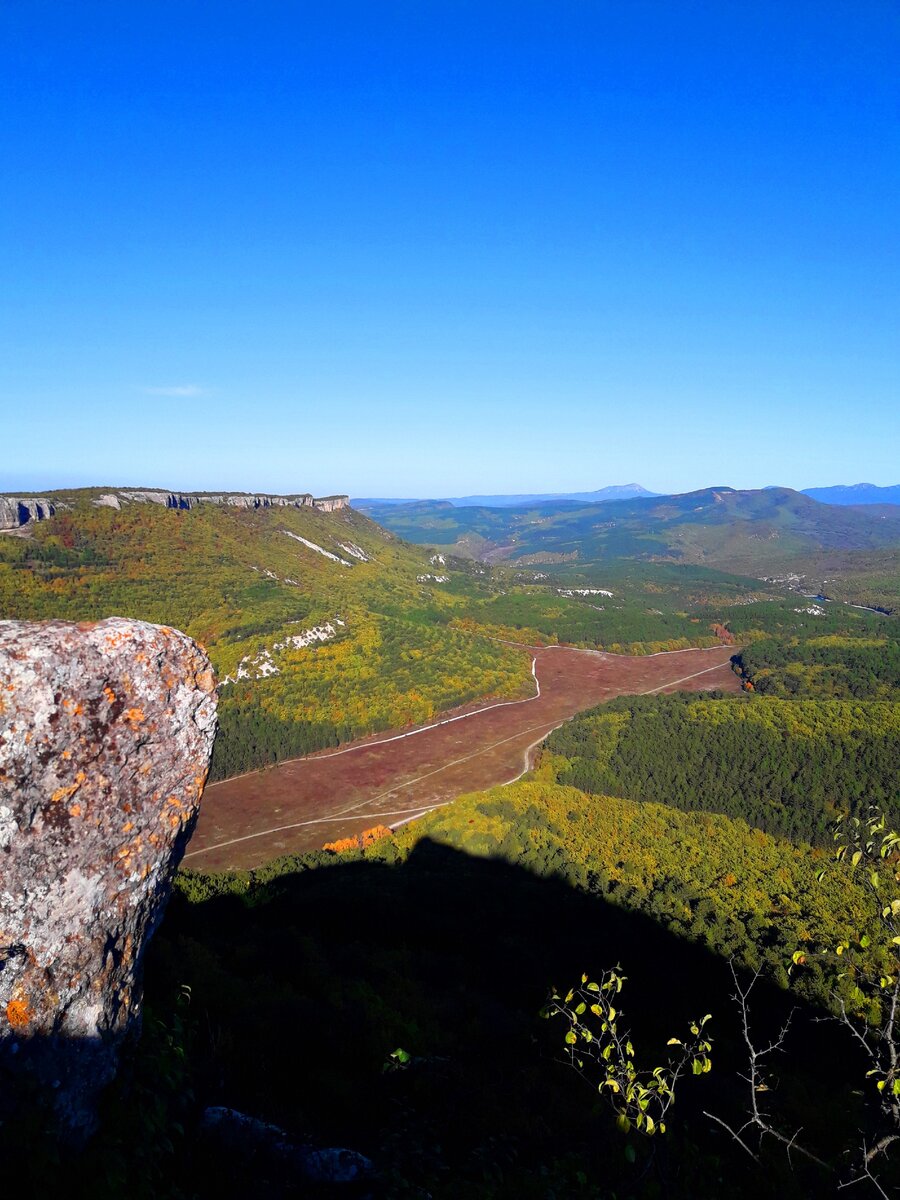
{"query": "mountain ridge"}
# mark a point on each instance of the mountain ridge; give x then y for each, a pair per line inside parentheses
(855, 493)
(621, 491)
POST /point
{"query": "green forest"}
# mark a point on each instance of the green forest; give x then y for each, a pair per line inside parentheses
(786, 767)
(829, 665)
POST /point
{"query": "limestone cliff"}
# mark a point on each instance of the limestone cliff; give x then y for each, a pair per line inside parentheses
(234, 500)
(16, 513)
(105, 736)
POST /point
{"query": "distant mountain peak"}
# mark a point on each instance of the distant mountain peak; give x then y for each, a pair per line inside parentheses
(855, 493)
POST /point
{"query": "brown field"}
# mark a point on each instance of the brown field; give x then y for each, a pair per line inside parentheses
(390, 779)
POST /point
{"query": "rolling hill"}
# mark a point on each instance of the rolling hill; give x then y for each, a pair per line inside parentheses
(756, 532)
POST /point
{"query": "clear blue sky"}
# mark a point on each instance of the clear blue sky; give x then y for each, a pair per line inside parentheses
(426, 249)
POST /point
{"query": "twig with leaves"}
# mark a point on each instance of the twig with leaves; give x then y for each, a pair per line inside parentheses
(601, 1051)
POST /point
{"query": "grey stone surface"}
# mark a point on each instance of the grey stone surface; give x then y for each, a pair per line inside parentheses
(15, 513)
(106, 731)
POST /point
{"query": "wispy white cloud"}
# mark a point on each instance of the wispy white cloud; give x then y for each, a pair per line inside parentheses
(184, 390)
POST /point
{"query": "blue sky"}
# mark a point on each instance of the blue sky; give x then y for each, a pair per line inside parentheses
(429, 249)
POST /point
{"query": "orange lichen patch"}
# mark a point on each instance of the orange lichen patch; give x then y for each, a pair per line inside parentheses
(128, 826)
(205, 681)
(109, 694)
(173, 802)
(63, 793)
(134, 716)
(18, 1013)
(66, 754)
(75, 810)
(196, 788)
(74, 706)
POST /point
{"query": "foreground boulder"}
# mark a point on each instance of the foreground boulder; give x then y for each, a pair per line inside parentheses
(106, 731)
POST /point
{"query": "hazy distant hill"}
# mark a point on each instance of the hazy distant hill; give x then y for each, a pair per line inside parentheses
(758, 531)
(855, 493)
(622, 491)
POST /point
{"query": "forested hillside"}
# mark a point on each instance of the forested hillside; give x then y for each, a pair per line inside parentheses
(827, 665)
(321, 625)
(758, 532)
(787, 767)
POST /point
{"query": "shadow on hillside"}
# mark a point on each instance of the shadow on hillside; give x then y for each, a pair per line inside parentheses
(301, 988)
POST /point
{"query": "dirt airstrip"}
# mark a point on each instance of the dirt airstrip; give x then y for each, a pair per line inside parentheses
(392, 778)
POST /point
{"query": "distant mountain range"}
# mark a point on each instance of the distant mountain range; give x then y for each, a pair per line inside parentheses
(758, 532)
(855, 493)
(622, 491)
(843, 494)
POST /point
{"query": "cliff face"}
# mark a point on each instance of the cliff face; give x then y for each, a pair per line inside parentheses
(236, 500)
(105, 736)
(14, 513)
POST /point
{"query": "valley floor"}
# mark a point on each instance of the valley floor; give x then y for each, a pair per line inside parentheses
(392, 778)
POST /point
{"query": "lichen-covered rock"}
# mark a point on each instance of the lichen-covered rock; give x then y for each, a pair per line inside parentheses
(105, 735)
